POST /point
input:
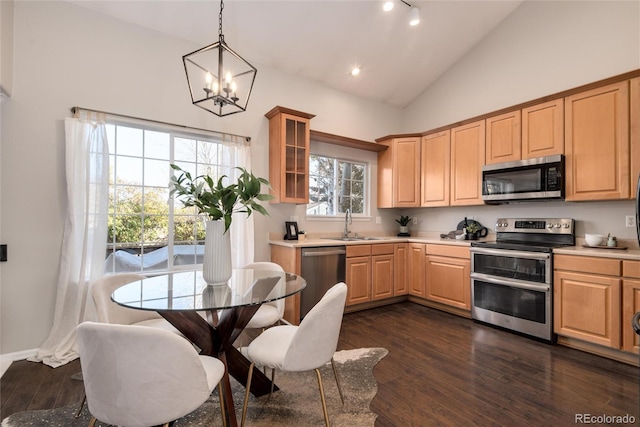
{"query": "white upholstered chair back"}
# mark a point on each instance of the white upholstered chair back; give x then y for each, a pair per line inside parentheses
(316, 339)
(110, 312)
(137, 376)
(271, 312)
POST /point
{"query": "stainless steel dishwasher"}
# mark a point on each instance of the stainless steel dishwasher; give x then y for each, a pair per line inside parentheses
(322, 267)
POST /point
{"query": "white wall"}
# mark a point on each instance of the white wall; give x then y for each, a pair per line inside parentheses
(544, 47)
(68, 56)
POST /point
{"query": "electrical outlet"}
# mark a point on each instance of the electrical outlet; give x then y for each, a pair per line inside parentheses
(630, 221)
(415, 220)
(378, 220)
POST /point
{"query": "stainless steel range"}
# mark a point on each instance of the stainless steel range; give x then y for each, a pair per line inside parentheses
(512, 278)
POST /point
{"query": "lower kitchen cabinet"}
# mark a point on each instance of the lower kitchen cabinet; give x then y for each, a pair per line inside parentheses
(448, 275)
(370, 273)
(587, 299)
(400, 270)
(382, 271)
(630, 304)
(416, 269)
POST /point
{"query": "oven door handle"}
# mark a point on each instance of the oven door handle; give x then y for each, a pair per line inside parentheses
(510, 253)
(512, 283)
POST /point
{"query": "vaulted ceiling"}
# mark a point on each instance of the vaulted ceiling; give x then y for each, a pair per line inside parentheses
(323, 40)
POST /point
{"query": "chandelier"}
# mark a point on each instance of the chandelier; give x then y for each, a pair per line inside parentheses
(220, 80)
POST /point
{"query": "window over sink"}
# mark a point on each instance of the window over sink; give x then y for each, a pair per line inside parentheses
(336, 185)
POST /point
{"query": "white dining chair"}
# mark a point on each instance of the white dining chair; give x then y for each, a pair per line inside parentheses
(137, 376)
(110, 312)
(306, 347)
(269, 313)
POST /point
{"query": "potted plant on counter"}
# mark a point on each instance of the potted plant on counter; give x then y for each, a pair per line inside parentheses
(404, 225)
(218, 202)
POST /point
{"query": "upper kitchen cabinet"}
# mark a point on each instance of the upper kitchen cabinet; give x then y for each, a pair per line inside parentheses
(399, 173)
(289, 155)
(535, 131)
(635, 134)
(543, 129)
(436, 169)
(467, 159)
(597, 143)
(503, 138)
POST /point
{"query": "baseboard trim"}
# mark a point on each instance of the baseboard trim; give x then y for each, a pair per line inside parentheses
(7, 359)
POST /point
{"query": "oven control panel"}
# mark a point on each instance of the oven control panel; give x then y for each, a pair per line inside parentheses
(535, 225)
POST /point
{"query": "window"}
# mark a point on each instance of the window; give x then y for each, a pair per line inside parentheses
(147, 231)
(336, 185)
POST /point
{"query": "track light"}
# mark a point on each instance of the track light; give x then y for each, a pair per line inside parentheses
(387, 6)
(414, 16)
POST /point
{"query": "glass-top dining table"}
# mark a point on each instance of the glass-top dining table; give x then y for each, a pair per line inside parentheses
(212, 317)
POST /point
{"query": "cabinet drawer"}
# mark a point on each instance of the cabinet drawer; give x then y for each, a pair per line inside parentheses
(358, 250)
(448, 251)
(382, 249)
(631, 269)
(584, 264)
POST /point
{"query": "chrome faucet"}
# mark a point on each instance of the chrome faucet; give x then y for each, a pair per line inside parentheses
(347, 220)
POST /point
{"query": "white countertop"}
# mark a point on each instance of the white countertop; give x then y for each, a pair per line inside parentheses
(631, 253)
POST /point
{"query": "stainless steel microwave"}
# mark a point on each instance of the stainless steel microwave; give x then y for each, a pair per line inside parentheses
(541, 178)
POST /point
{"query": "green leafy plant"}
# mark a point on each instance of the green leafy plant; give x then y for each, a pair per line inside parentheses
(404, 220)
(473, 227)
(216, 200)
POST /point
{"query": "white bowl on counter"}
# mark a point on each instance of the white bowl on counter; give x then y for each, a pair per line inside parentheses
(594, 239)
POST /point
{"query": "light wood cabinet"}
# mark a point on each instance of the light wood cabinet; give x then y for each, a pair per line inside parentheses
(447, 272)
(630, 304)
(358, 275)
(467, 159)
(436, 169)
(587, 299)
(400, 271)
(634, 110)
(370, 273)
(597, 144)
(416, 269)
(543, 129)
(289, 155)
(503, 143)
(290, 259)
(399, 173)
(382, 271)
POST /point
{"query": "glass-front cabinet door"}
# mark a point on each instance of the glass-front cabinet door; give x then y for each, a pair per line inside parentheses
(289, 136)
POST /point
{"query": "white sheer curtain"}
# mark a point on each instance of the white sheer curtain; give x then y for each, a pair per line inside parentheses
(85, 235)
(242, 228)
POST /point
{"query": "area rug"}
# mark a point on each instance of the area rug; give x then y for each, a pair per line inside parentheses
(297, 403)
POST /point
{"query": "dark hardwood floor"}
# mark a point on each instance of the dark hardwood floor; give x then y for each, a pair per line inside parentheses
(441, 370)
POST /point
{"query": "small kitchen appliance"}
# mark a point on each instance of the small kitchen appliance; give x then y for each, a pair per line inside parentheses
(541, 178)
(512, 277)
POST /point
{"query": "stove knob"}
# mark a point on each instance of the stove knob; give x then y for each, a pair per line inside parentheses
(558, 225)
(565, 225)
(549, 225)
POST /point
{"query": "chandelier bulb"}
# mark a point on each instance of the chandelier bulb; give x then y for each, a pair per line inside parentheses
(414, 16)
(228, 78)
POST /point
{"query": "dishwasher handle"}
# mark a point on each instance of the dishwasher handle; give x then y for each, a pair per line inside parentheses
(323, 253)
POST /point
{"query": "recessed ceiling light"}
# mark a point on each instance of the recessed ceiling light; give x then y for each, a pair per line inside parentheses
(388, 5)
(414, 16)
(355, 71)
